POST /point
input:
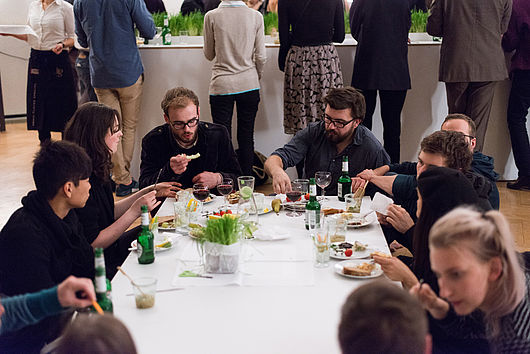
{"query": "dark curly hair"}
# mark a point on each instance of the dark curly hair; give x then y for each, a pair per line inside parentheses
(452, 146)
(88, 128)
(347, 97)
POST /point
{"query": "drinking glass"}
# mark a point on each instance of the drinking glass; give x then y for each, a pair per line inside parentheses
(201, 192)
(144, 292)
(294, 195)
(353, 203)
(321, 240)
(323, 179)
(245, 181)
(225, 188)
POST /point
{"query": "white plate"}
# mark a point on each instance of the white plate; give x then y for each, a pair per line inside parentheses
(157, 249)
(355, 255)
(160, 228)
(368, 219)
(355, 262)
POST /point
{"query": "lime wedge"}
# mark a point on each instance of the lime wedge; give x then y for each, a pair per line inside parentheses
(245, 192)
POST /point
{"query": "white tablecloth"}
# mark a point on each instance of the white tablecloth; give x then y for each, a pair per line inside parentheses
(278, 303)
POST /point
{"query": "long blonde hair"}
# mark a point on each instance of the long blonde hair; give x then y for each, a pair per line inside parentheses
(490, 236)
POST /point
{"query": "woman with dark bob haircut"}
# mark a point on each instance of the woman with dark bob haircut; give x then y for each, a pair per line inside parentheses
(96, 128)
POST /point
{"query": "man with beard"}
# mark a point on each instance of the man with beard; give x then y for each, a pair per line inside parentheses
(323, 144)
(185, 149)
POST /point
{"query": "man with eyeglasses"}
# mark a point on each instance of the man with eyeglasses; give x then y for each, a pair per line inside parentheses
(323, 144)
(166, 150)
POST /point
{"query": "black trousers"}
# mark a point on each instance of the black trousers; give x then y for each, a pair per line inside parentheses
(518, 105)
(222, 108)
(391, 105)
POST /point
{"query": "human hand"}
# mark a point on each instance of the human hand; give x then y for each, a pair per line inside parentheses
(66, 292)
(357, 183)
(367, 174)
(396, 270)
(167, 189)
(148, 199)
(281, 183)
(211, 179)
(179, 164)
(58, 48)
(437, 307)
(399, 218)
(382, 219)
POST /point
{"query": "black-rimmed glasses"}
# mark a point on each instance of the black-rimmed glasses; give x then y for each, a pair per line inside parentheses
(180, 125)
(471, 137)
(337, 123)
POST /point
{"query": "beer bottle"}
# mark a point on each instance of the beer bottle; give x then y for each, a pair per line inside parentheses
(344, 183)
(145, 243)
(166, 32)
(101, 283)
(312, 208)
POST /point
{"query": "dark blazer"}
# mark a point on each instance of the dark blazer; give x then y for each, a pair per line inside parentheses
(381, 29)
(213, 143)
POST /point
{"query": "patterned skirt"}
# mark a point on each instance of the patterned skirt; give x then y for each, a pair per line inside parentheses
(310, 72)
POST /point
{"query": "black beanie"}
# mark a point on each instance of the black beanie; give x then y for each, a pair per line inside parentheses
(445, 188)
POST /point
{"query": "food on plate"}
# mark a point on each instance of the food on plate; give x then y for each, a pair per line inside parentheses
(306, 196)
(166, 225)
(233, 198)
(222, 212)
(276, 205)
(194, 156)
(358, 247)
(348, 252)
(331, 211)
(144, 301)
(361, 270)
(165, 244)
(380, 254)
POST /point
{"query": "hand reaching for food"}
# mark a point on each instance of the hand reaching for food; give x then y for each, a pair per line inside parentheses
(179, 163)
(357, 183)
(281, 182)
(396, 270)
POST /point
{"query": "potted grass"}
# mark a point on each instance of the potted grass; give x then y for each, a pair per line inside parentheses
(220, 239)
(418, 27)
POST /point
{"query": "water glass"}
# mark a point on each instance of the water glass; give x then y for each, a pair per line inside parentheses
(304, 183)
(245, 181)
(183, 37)
(353, 203)
(144, 292)
(321, 240)
(182, 216)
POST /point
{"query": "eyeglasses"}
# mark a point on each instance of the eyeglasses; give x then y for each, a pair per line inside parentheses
(471, 137)
(180, 125)
(337, 123)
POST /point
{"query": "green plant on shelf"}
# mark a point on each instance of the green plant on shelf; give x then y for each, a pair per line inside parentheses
(270, 21)
(418, 21)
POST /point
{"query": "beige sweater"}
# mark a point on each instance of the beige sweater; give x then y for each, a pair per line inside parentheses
(234, 39)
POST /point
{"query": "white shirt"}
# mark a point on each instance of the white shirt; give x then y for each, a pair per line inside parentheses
(53, 25)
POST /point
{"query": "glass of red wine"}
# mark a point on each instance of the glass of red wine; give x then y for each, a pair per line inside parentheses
(225, 188)
(294, 195)
(201, 192)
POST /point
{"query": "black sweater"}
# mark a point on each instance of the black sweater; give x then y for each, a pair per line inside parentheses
(213, 143)
(38, 250)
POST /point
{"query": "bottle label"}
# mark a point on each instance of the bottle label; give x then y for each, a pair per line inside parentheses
(139, 249)
(167, 38)
(101, 285)
(312, 219)
(99, 262)
(145, 219)
(313, 189)
(339, 189)
(344, 166)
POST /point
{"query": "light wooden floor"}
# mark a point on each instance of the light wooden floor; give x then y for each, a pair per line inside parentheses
(18, 146)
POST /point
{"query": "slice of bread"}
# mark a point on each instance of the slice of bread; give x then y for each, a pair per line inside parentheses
(362, 270)
(380, 254)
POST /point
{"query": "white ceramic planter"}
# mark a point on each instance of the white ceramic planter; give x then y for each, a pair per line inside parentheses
(420, 37)
(221, 258)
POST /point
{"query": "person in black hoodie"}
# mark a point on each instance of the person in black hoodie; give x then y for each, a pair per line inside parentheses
(43, 243)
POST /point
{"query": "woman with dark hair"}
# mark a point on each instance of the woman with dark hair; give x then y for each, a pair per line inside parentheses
(95, 127)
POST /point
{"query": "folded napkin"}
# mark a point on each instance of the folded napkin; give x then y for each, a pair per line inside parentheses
(271, 233)
(380, 203)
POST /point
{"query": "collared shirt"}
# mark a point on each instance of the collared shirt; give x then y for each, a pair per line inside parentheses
(365, 151)
(53, 25)
(107, 27)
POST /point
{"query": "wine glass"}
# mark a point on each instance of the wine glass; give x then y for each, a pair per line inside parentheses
(294, 195)
(201, 192)
(225, 188)
(323, 179)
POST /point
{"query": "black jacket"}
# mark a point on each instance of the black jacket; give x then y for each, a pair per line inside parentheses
(38, 250)
(213, 143)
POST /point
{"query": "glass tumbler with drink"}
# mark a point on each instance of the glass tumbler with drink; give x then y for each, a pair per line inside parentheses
(353, 203)
(321, 240)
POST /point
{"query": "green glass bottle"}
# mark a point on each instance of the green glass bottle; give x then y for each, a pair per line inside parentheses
(101, 283)
(166, 32)
(344, 183)
(312, 208)
(145, 242)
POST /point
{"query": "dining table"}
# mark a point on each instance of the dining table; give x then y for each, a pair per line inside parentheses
(277, 301)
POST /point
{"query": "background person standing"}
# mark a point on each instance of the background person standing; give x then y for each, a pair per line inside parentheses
(235, 40)
(107, 27)
(381, 29)
(518, 38)
(471, 56)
